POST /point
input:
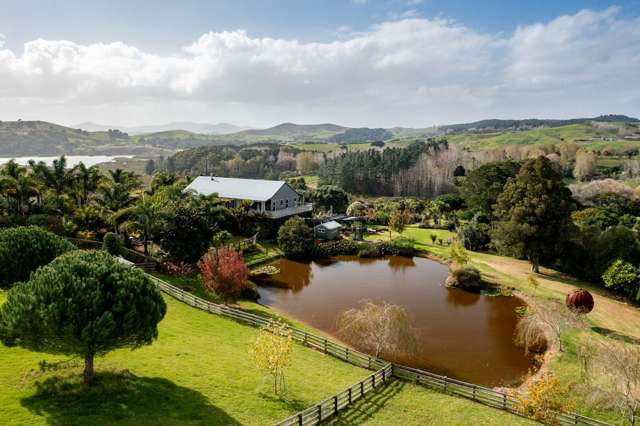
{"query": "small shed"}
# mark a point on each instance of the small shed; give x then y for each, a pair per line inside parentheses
(328, 230)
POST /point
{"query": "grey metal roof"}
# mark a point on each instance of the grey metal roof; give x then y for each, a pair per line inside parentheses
(241, 189)
(330, 225)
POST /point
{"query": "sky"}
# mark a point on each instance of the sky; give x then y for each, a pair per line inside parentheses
(375, 63)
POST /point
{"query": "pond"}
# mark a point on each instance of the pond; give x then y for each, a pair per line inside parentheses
(460, 334)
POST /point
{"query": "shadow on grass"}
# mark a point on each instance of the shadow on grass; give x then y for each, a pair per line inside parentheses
(612, 334)
(366, 408)
(122, 398)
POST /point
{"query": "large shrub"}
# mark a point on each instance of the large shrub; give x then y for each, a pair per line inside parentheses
(337, 248)
(84, 303)
(24, 249)
(465, 277)
(623, 277)
(296, 239)
(111, 244)
(187, 234)
(400, 246)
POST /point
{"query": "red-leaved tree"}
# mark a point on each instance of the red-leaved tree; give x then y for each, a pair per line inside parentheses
(224, 272)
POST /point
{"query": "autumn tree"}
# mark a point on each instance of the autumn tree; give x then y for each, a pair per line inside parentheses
(378, 328)
(532, 213)
(542, 398)
(585, 166)
(223, 272)
(396, 222)
(272, 352)
(84, 303)
(306, 163)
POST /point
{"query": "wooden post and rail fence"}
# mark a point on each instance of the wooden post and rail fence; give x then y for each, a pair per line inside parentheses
(384, 371)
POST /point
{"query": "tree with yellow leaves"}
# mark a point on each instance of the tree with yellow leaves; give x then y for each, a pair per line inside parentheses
(272, 352)
(543, 398)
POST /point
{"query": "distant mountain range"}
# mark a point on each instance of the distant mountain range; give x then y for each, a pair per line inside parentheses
(37, 138)
(203, 128)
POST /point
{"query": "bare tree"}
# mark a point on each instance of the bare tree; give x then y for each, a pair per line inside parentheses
(585, 166)
(544, 324)
(614, 371)
(378, 328)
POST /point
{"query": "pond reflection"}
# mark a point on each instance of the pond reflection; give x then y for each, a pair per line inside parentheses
(463, 335)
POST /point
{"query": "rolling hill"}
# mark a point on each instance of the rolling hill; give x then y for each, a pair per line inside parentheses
(24, 138)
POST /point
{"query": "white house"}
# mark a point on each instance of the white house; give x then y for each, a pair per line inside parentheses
(273, 198)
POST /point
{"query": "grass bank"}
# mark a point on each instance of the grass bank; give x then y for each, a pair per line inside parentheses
(403, 403)
(200, 371)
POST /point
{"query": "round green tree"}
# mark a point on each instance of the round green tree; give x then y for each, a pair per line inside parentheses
(296, 239)
(84, 303)
(23, 249)
(624, 277)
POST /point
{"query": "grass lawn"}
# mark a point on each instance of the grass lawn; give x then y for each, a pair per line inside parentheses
(200, 371)
(403, 403)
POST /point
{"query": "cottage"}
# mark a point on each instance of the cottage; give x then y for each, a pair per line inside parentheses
(328, 230)
(273, 198)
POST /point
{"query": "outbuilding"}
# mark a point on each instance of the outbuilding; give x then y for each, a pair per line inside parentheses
(328, 230)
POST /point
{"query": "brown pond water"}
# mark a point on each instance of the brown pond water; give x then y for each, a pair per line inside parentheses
(462, 335)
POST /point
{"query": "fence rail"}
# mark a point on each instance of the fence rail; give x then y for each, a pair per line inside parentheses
(314, 415)
(334, 404)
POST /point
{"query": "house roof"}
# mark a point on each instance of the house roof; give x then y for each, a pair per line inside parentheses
(241, 189)
(331, 225)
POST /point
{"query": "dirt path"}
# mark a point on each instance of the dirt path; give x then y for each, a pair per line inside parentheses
(608, 312)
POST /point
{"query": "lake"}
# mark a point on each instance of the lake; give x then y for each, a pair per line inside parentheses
(463, 335)
(72, 160)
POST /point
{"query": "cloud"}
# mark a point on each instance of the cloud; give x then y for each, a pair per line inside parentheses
(359, 1)
(409, 71)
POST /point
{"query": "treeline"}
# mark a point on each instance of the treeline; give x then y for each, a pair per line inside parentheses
(261, 161)
(420, 169)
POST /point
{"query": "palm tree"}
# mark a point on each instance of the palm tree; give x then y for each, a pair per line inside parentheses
(143, 217)
(87, 180)
(18, 186)
(56, 176)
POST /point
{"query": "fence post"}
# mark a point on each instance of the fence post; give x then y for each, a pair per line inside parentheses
(305, 338)
(346, 354)
(474, 391)
(350, 400)
(300, 419)
(373, 381)
(383, 374)
(445, 384)
(361, 389)
(504, 401)
(369, 364)
(335, 403)
(325, 345)
(319, 413)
